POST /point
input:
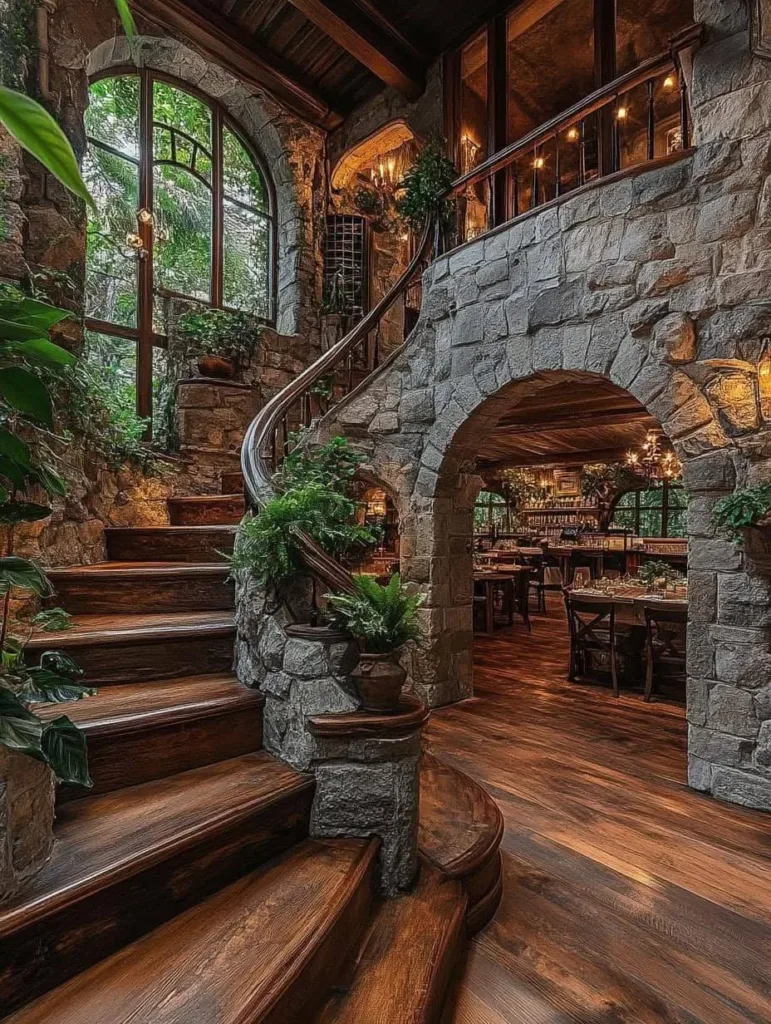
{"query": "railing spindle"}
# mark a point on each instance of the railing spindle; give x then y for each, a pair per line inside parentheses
(651, 120)
(685, 131)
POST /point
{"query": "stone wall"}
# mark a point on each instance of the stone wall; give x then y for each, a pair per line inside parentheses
(660, 282)
(365, 786)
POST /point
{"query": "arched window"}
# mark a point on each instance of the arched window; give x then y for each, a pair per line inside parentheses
(658, 511)
(183, 208)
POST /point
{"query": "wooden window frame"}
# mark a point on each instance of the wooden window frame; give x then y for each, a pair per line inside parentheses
(638, 508)
(144, 335)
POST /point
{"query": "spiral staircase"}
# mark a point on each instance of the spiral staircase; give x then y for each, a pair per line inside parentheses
(183, 887)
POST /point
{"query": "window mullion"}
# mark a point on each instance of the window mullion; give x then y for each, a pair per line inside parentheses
(145, 298)
(217, 210)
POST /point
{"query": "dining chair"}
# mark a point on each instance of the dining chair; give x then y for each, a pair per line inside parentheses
(592, 625)
(665, 639)
(582, 576)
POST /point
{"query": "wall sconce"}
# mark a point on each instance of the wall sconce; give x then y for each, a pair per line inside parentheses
(669, 82)
(136, 246)
(764, 379)
(145, 216)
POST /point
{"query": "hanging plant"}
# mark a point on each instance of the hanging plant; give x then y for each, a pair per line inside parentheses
(426, 186)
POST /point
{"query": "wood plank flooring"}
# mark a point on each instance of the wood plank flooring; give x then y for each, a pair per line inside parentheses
(627, 896)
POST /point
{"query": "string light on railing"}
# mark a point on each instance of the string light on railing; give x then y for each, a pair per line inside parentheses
(621, 114)
(538, 163)
(669, 82)
(572, 135)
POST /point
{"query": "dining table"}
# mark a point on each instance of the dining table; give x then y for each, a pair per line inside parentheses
(514, 580)
(630, 600)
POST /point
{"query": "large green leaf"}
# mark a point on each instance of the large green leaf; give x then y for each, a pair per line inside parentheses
(22, 512)
(13, 446)
(28, 311)
(45, 353)
(46, 687)
(34, 129)
(17, 330)
(26, 393)
(126, 17)
(61, 663)
(19, 728)
(12, 472)
(20, 572)
(64, 746)
(49, 480)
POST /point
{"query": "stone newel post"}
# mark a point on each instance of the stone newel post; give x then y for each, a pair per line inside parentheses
(26, 819)
(366, 765)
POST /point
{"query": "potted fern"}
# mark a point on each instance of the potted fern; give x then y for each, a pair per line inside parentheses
(383, 620)
(745, 517)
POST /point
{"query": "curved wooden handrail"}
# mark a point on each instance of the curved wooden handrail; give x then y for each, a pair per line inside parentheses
(258, 473)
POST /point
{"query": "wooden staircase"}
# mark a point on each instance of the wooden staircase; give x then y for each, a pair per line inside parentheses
(183, 888)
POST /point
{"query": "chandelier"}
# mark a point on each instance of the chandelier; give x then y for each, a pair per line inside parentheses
(653, 461)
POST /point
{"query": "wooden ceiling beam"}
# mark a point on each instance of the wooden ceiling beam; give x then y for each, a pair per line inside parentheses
(596, 419)
(554, 458)
(381, 50)
(254, 64)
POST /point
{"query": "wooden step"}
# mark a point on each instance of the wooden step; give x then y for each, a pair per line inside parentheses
(407, 959)
(136, 648)
(207, 510)
(143, 586)
(232, 482)
(265, 949)
(127, 861)
(169, 543)
(137, 732)
(460, 832)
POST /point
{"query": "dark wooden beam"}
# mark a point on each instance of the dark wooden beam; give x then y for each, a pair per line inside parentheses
(605, 418)
(380, 51)
(555, 458)
(254, 64)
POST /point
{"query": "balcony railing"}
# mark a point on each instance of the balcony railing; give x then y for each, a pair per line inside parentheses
(640, 117)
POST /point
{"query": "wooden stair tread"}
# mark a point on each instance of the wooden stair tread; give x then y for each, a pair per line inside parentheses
(207, 499)
(126, 570)
(249, 953)
(130, 706)
(407, 958)
(160, 531)
(116, 629)
(461, 826)
(104, 838)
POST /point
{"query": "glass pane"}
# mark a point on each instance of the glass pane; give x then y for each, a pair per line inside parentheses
(624, 518)
(111, 266)
(676, 523)
(650, 523)
(550, 62)
(112, 116)
(473, 103)
(163, 399)
(246, 260)
(174, 108)
(182, 255)
(652, 498)
(241, 178)
(114, 362)
(677, 498)
(643, 28)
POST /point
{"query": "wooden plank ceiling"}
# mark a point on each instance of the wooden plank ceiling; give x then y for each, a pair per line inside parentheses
(322, 58)
(591, 422)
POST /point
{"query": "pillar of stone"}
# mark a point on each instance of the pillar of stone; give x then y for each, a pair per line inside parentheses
(26, 819)
(366, 765)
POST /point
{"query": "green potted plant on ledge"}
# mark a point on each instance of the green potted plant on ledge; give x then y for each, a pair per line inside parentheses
(383, 619)
(745, 517)
(225, 342)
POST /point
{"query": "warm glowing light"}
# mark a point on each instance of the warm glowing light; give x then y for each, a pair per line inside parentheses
(572, 134)
(538, 163)
(669, 82)
(621, 113)
(145, 216)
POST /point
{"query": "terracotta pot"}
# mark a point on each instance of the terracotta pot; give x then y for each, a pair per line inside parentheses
(379, 678)
(756, 541)
(216, 366)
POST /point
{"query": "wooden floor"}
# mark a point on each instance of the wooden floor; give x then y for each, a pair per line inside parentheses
(628, 897)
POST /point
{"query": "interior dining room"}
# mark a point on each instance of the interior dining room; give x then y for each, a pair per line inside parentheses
(580, 555)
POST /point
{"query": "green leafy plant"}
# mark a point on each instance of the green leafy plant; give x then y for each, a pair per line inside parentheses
(655, 569)
(232, 335)
(267, 543)
(426, 185)
(602, 481)
(742, 509)
(332, 465)
(382, 618)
